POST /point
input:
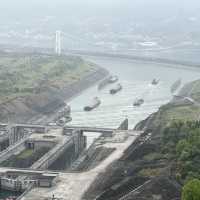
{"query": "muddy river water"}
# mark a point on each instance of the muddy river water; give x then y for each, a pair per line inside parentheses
(136, 78)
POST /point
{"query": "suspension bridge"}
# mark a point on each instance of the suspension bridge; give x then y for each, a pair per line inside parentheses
(75, 43)
(62, 42)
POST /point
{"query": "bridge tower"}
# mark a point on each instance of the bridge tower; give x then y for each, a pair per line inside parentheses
(58, 43)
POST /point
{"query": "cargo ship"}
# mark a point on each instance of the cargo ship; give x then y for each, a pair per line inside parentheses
(94, 104)
(107, 81)
(155, 82)
(138, 102)
(116, 89)
(176, 85)
(113, 79)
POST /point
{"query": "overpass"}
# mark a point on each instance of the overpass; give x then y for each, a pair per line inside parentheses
(69, 129)
(106, 131)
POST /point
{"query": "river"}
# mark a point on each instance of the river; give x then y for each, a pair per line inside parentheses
(135, 78)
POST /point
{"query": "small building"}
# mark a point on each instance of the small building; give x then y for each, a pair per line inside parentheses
(11, 181)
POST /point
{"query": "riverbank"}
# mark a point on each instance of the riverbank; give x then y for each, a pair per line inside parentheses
(148, 170)
(42, 83)
(67, 93)
(144, 59)
(136, 81)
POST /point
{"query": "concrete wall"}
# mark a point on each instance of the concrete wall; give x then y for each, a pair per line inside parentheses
(123, 125)
(64, 161)
(22, 185)
(16, 185)
(52, 155)
(31, 144)
(4, 144)
(16, 134)
(77, 139)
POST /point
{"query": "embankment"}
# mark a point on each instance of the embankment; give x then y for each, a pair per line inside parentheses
(146, 171)
(32, 107)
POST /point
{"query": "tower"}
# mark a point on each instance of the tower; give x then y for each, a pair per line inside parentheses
(58, 43)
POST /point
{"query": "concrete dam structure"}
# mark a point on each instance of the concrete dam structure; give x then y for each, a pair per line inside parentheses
(22, 150)
(43, 149)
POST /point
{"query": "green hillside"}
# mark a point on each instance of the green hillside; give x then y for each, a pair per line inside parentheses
(21, 75)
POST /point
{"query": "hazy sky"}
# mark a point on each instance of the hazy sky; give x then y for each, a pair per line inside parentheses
(53, 5)
(191, 3)
(140, 9)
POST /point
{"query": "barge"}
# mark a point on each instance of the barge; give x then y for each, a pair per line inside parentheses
(116, 89)
(94, 104)
(155, 82)
(138, 102)
(107, 81)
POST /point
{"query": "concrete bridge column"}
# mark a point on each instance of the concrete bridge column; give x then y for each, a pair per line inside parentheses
(16, 134)
(12, 136)
(79, 141)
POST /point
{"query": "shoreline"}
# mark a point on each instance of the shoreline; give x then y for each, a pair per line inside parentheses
(55, 100)
(157, 60)
(73, 90)
(86, 82)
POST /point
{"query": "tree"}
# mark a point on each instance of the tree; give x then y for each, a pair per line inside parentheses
(191, 191)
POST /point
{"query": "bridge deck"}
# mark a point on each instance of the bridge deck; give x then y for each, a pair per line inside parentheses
(24, 125)
(4, 170)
